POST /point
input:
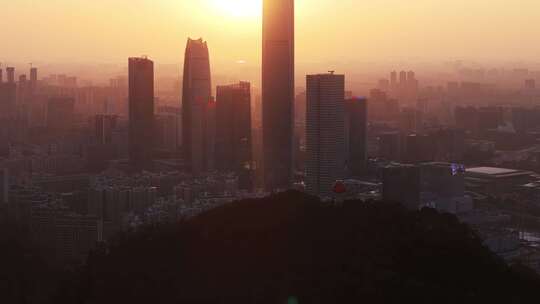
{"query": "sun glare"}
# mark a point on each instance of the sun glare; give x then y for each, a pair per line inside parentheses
(239, 8)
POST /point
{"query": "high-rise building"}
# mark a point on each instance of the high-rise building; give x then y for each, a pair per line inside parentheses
(402, 183)
(411, 93)
(167, 131)
(530, 84)
(234, 151)
(394, 86)
(390, 146)
(393, 78)
(435, 184)
(105, 146)
(104, 126)
(141, 112)
(402, 78)
(33, 74)
(418, 148)
(8, 99)
(33, 78)
(411, 76)
(356, 135)
(196, 99)
(60, 111)
(10, 71)
(325, 132)
(278, 92)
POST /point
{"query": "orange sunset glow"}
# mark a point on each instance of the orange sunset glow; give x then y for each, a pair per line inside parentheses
(327, 30)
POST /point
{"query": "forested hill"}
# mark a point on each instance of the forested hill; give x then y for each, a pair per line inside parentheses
(290, 248)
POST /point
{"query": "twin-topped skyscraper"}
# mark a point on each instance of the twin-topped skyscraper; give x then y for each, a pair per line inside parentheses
(197, 108)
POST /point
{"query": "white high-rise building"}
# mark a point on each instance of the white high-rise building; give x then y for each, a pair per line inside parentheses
(325, 132)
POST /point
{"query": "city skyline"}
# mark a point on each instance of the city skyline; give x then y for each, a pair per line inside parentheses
(352, 144)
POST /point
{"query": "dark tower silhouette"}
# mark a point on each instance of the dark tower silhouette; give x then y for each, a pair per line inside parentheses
(197, 140)
(278, 92)
(141, 112)
(356, 135)
(233, 131)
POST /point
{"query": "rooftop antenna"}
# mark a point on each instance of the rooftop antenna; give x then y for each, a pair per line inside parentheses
(31, 65)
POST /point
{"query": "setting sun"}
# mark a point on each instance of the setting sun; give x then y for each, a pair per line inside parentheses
(239, 8)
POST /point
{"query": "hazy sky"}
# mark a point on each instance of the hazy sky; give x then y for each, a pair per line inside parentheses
(327, 30)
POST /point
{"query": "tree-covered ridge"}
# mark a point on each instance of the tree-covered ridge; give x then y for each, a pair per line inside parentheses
(292, 248)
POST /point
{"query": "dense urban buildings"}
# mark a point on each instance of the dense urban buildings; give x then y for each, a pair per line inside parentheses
(278, 92)
(197, 107)
(104, 127)
(325, 132)
(60, 113)
(141, 112)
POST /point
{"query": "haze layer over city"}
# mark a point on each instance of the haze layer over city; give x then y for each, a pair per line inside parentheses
(357, 37)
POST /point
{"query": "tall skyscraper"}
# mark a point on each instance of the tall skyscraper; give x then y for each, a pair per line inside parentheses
(233, 131)
(278, 92)
(356, 135)
(197, 104)
(325, 132)
(141, 112)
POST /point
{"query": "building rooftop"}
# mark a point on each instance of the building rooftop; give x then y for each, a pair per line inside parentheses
(496, 172)
(491, 170)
